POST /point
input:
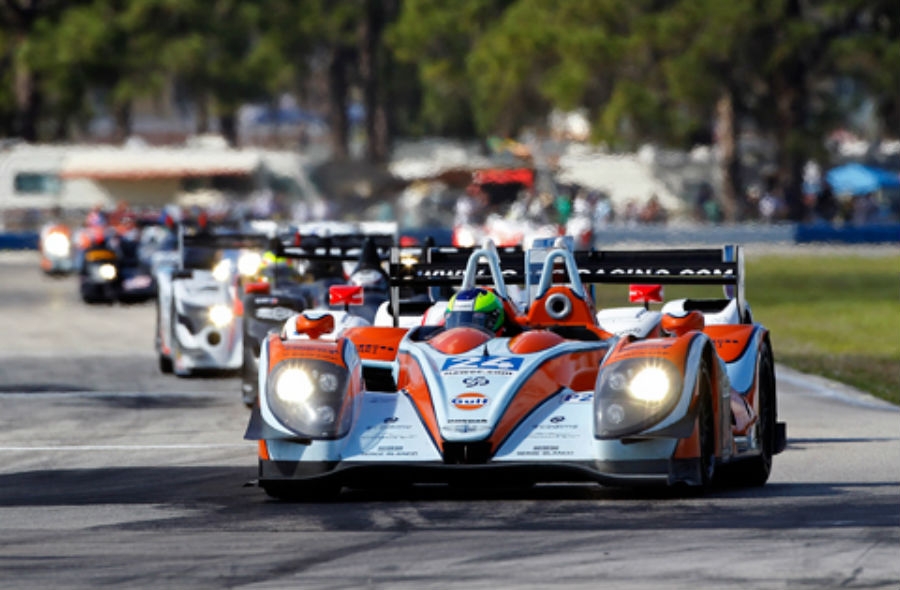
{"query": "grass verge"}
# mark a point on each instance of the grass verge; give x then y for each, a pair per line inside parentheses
(830, 313)
(834, 315)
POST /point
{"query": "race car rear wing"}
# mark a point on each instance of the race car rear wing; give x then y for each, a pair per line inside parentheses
(341, 247)
(435, 267)
(189, 238)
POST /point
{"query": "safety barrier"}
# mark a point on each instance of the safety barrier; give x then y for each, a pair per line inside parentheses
(19, 241)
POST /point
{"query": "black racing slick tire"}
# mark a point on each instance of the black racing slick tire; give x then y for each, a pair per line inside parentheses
(249, 383)
(706, 422)
(754, 471)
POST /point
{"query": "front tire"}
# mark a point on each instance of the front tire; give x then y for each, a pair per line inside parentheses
(249, 377)
(706, 423)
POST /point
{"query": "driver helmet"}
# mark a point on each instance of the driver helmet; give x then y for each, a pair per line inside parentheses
(270, 259)
(475, 307)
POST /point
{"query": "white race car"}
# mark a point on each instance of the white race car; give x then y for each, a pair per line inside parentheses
(198, 307)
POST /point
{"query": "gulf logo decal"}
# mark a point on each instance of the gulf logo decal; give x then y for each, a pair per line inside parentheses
(469, 401)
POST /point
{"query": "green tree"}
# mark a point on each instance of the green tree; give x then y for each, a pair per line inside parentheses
(438, 37)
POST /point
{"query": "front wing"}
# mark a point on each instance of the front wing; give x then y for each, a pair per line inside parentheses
(554, 443)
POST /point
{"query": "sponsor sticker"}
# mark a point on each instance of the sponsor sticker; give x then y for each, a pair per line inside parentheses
(279, 314)
(469, 401)
(503, 365)
(138, 282)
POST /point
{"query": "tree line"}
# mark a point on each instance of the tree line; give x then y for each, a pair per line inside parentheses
(676, 72)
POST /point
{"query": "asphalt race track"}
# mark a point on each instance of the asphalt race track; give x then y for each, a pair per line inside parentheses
(113, 475)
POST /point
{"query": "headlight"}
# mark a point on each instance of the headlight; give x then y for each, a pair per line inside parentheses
(310, 398)
(465, 238)
(220, 315)
(650, 384)
(248, 263)
(222, 271)
(633, 394)
(107, 272)
(57, 244)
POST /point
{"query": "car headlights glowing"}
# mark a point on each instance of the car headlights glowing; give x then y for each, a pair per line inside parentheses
(310, 398)
(107, 272)
(220, 315)
(248, 263)
(57, 244)
(634, 394)
(650, 384)
(222, 271)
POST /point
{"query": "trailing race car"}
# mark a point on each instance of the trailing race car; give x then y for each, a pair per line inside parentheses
(198, 307)
(298, 277)
(56, 249)
(529, 390)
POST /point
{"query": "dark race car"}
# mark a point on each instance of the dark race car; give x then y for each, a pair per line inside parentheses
(298, 278)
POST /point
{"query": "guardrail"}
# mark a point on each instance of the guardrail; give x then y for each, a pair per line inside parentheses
(19, 241)
(673, 235)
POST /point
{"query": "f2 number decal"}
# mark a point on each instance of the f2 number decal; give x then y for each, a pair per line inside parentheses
(482, 363)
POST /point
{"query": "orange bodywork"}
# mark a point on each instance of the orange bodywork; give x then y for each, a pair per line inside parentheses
(323, 350)
(412, 380)
(376, 343)
(570, 370)
(731, 340)
(459, 340)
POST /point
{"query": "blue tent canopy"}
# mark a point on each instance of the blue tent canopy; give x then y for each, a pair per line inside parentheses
(858, 179)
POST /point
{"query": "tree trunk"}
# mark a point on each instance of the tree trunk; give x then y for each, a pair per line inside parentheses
(791, 98)
(123, 121)
(729, 162)
(337, 91)
(377, 136)
(28, 104)
(228, 127)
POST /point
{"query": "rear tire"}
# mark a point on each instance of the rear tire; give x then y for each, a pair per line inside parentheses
(754, 471)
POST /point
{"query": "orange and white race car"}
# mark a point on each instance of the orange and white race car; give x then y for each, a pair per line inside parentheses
(521, 380)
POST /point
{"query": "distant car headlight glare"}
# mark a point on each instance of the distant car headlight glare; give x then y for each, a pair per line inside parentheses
(248, 263)
(57, 244)
(107, 272)
(222, 271)
(220, 315)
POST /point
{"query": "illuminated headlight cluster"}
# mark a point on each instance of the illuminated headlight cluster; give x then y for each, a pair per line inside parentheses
(57, 244)
(633, 394)
(220, 315)
(106, 272)
(310, 398)
(248, 263)
(222, 271)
